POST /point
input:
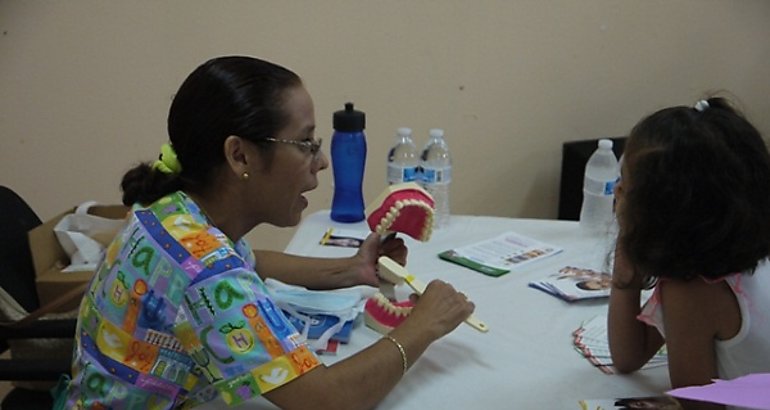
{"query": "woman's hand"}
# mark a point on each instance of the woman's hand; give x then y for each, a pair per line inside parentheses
(365, 260)
(394, 248)
(440, 309)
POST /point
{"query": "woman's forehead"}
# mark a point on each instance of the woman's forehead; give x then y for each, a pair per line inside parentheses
(299, 109)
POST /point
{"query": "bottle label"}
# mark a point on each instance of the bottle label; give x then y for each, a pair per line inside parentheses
(398, 174)
(599, 187)
(438, 176)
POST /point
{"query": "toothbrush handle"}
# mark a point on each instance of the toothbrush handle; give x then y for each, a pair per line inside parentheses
(394, 270)
(419, 286)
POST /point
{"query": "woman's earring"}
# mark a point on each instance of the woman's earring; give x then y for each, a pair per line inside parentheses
(245, 175)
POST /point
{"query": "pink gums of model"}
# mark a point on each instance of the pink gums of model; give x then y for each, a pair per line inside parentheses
(404, 208)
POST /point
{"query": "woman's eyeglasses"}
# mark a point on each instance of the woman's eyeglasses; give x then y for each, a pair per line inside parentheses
(312, 147)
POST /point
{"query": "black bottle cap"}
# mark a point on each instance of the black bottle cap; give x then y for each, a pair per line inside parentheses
(349, 120)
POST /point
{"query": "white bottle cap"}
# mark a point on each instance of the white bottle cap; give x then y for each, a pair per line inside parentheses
(404, 132)
(605, 143)
(436, 132)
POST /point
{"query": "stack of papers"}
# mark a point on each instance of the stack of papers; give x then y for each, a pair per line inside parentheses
(573, 283)
(590, 340)
(497, 256)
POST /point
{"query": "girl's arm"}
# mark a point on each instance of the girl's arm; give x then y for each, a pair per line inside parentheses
(632, 342)
(694, 315)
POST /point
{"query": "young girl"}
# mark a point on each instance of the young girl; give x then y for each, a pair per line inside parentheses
(693, 207)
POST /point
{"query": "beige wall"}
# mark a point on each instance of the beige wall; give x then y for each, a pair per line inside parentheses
(86, 84)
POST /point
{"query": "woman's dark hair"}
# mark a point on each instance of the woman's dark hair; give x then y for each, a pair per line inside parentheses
(225, 96)
(697, 193)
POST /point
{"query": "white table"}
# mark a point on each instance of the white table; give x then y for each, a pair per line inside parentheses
(526, 360)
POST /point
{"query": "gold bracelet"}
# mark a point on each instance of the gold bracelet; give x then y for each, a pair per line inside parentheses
(404, 361)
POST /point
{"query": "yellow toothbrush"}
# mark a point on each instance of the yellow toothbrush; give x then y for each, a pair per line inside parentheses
(392, 272)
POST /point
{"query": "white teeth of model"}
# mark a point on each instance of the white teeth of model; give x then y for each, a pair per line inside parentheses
(388, 306)
(399, 204)
(383, 302)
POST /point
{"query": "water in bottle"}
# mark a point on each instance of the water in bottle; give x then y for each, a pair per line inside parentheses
(436, 175)
(403, 159)
(601, 175)
(348, 162)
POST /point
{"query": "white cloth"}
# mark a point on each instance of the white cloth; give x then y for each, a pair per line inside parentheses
(84, 237)
(749, 351)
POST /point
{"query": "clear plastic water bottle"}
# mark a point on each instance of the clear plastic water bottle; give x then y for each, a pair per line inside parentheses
(348, 162)
(403, 159)
(601, 175)
(436, 175)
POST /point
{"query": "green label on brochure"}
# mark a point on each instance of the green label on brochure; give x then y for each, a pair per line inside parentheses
(453, 257)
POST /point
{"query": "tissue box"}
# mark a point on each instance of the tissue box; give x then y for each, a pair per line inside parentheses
(49, 258)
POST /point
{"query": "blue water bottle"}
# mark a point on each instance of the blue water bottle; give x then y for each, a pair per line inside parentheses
(348, 161)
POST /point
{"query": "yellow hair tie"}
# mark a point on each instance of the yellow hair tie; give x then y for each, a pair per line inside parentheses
(167, 163)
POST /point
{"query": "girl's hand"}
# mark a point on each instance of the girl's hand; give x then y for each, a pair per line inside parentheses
(624, 276)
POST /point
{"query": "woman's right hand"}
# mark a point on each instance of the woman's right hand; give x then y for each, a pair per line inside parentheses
(440, 309)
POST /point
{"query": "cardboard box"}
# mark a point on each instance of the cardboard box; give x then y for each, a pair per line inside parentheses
(49, 258)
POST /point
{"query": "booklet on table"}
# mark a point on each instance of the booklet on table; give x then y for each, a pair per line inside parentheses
(573, 283)
(498, 255)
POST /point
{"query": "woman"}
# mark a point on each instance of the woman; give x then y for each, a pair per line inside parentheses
(177, 314)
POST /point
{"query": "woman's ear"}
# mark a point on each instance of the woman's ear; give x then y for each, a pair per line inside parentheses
(240, 155)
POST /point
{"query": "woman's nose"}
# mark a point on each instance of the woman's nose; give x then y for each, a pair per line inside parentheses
(323, 161)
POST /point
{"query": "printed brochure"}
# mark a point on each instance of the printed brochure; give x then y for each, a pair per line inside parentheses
(497, 256)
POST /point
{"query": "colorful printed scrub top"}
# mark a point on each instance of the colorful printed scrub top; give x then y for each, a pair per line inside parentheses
(177, 315)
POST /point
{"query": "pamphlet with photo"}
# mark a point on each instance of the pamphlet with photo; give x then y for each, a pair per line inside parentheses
(346, 238)
(573, 283)
(497, 256)
(648, 402)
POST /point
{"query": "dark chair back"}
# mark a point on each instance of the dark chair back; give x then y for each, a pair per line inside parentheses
(17, 278)
(17, 274)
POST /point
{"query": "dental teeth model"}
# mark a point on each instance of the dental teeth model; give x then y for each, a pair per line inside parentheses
(383, 315)
(405, 208)
(394, 273)
(408, 209)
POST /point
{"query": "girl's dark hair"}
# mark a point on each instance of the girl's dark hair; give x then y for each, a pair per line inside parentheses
(697, 193)
(225, 96)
